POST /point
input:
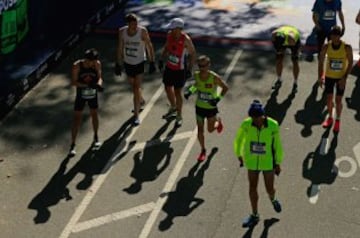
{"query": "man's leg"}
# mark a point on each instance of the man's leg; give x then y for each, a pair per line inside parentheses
(179, 104)
(136, 88)
(95, 123)
(170, 95)
(338, 106)
(253, 219)
(269, 185)
(75, 126)
(253, 177)
(279, 64)
(201, 137)
(179, 101)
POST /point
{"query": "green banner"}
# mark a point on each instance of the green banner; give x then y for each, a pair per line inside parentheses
(14, 26)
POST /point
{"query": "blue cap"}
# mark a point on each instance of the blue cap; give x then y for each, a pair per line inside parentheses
(256, 109)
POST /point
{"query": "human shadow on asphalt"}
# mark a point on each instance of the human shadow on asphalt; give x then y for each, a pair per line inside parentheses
(319, 167)
(313, 112)
(93, 162)
(182, 201)
(155, 158)
(267, 224)
(53, 192)
(353, 102)
(278, 110)
(264, 234)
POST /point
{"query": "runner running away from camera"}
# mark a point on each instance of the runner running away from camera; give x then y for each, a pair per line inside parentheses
(86, 77)
(179, 55)
(258, 145)
(133, 44)
(206, 86)
(282, 38)
(338, 65)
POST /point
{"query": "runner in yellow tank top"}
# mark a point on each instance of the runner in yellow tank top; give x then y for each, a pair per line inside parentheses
(338, 65)
(206, 85)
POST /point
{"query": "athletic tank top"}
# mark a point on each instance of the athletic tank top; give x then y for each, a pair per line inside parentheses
(336, 62)
(176, 49)
(84, 74)
(206, 90)
(134, 46)
(289, 30)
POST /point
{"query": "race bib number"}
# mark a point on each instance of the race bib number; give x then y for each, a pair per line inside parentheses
(131, 52)
(257, 148)
(329, 15)
(174, 59)
(88, 93)
(205, 96)
(336, 65)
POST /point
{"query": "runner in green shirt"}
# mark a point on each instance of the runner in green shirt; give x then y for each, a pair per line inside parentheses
(206, 86)
(257, 145)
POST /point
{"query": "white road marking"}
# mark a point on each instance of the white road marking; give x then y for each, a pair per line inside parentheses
(175, 173)
(99, 221)
(353, 166)
(180, 136)
(105, 172)
(167, 188)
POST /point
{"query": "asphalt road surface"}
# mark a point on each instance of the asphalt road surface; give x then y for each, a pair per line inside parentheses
(145, 181)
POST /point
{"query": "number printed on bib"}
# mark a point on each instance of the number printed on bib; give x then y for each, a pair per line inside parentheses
(131, 52)
(88, 93)
(257, 148)
(336, 65)
(205, 96)
(174, 59)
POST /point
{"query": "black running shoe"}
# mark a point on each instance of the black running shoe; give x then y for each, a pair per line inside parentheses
(277, 84)
(251, 220)
(277, 206)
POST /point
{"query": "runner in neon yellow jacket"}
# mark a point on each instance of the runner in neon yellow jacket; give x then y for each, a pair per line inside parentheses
(258, 144)
(259, 147)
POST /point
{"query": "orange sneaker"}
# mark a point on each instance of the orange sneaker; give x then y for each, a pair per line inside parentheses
(328, 122)
(336, 128)
(220, 126)
(202, 156)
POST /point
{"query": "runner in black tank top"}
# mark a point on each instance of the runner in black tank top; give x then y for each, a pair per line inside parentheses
(86, 77)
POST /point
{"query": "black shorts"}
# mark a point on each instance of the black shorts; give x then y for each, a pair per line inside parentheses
(330, 84)
(80, 103)
(175, 78)
(205, 113)
(134, 70)
(295, 50)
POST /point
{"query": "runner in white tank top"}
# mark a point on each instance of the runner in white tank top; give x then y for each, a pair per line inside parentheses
(134, 45)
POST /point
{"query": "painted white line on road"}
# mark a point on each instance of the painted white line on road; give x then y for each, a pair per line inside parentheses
(168, 186)
(181, 136)
(175, 173)
(353, 166)
(99, 221)
(105, 172)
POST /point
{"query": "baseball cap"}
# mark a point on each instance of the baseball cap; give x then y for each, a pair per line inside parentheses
(256, 109)
(91, 54)
(175, 23)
